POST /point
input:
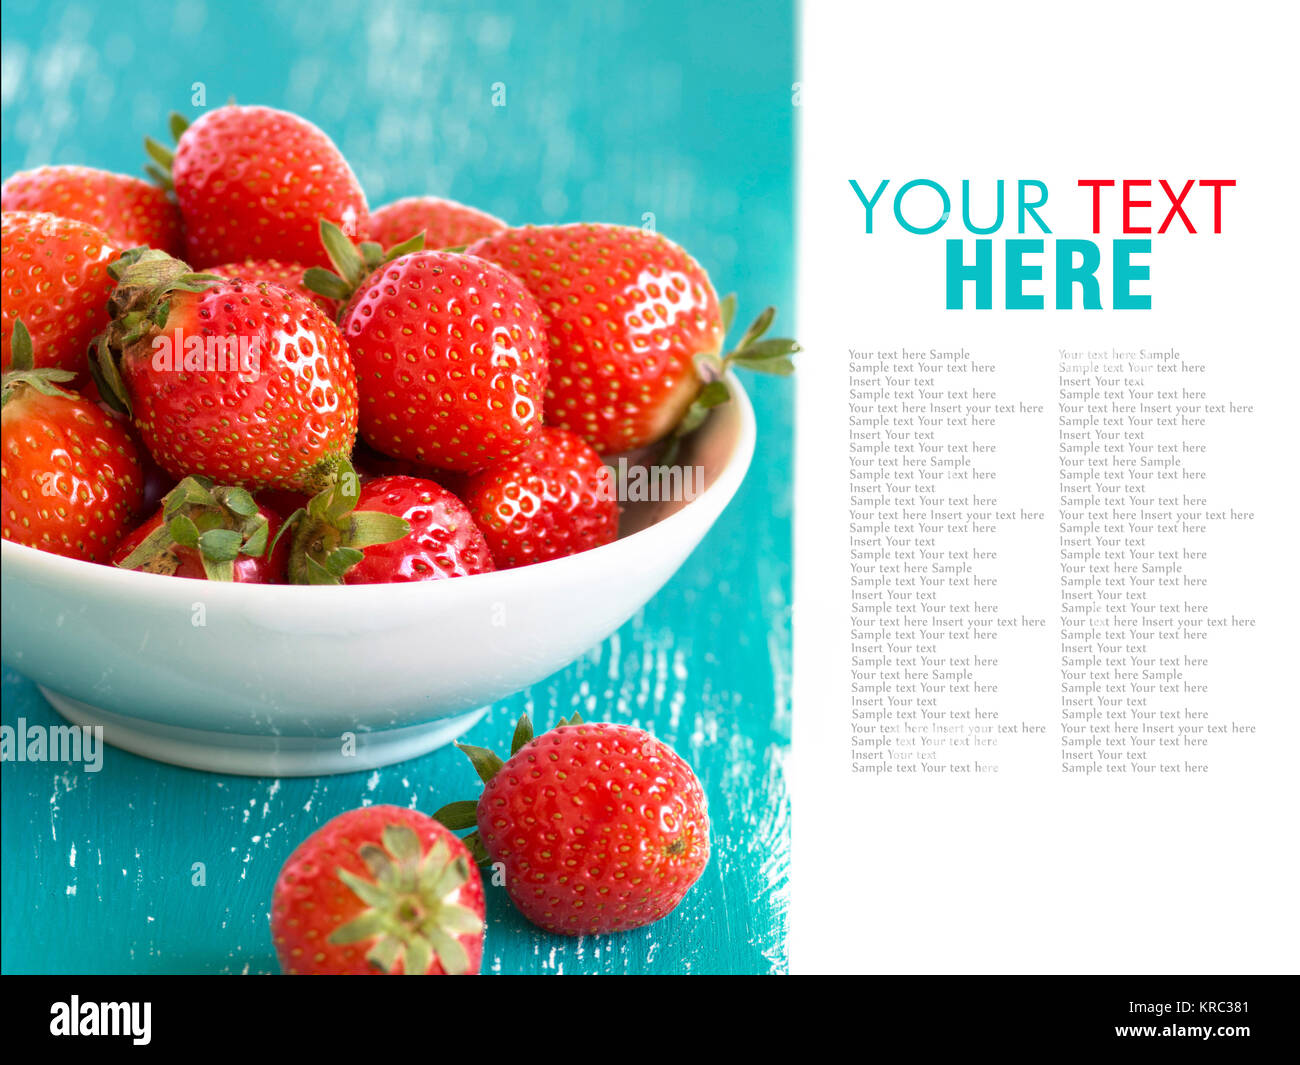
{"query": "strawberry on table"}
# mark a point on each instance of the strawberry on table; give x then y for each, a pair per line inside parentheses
(379, 891)
(388, 530)
(635, 330)
(287, 275)
(208, 532)
(252, 183)
(554, 498)
(598, 827)
(444, 223)
(71, 475)
(449, 351)
(132, 212)
(55, 279)
(244, 382)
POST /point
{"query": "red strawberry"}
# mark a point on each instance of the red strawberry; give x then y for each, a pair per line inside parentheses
(554, 498)
(157, 481)
(389, 530)
(444, 223)
(133, 213)
(443, 541)
(286, 275)
(449, 352)
(207, 533)
(55, 280)
(243, 382)
(598, 827)
(635, 330)
(380, 890)
(253, 182)
(71, 476)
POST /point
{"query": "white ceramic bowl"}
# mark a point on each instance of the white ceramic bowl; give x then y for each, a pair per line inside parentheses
(271, 680)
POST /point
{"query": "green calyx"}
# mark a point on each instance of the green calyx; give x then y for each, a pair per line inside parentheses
(139, 306)
(487, 764)
(220, 523)
(161, 157)
(770, 355)
(752, 352)
(353, 262)
(330, 534)
(412, 916)
(22, 372)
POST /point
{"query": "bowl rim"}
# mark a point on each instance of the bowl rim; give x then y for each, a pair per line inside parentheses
(99, 577)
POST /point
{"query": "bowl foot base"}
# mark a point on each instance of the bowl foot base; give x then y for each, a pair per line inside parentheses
(263, 756)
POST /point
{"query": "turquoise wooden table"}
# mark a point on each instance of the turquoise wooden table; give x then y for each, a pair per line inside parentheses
(613, 112)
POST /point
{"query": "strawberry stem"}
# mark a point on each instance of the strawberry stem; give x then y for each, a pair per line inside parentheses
(770, 356)
(353, 262)
(220, 523)
(162, 157)
(22, 369)
(139, 305)
(329, 534)
(412, 914)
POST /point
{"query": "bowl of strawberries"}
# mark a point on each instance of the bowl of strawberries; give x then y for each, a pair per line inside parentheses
(291, 486)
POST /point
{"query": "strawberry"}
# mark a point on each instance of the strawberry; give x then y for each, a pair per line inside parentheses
(133, 213)
(597, 827)
(379, 890)
(157, 481)
(244, 382)
(635, 330)
(449, 351)
(71, 475)
(391, 529)
(286, 275)
(443, 541)
(444, 223)
(55, 280)
(554, 498)
(252, 183)
(207, 532)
